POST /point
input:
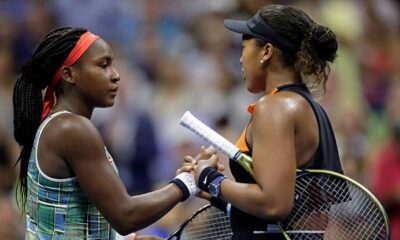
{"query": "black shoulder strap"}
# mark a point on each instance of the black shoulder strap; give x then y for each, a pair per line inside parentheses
(327, 155)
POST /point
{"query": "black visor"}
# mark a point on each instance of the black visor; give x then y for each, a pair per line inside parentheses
(256, 27)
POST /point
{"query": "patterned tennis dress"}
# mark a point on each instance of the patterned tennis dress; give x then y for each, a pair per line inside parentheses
(58, 208)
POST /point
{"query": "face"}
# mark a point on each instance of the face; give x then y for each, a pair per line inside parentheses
(254, 74)
(96, 76)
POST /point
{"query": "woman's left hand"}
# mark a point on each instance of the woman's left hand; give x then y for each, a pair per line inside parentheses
(190, 163)
(185, 168)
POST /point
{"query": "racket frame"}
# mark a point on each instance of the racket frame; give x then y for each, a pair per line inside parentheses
(177, 234)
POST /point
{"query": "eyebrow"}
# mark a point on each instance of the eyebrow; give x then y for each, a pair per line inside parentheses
(104, 57)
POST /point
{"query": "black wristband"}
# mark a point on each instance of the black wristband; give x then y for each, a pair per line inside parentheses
(182, 186)
(206, 177)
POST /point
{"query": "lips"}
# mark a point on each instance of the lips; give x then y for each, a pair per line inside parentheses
(114, 91)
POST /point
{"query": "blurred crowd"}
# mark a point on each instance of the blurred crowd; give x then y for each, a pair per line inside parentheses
(175, 55)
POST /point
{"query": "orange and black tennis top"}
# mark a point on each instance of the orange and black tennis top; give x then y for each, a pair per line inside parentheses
(244, 226)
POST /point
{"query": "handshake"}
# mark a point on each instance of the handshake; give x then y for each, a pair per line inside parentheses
(200, 175)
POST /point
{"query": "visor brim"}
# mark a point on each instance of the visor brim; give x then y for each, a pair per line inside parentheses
(238, 26)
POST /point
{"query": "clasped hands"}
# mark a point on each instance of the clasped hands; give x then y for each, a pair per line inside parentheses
(207, 157)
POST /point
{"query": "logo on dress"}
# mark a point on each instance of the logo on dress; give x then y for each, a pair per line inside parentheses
(109, 158)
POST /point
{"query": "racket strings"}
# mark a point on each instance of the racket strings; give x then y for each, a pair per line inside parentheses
(320, 203)
(342, 190)
(330, 206)
(362, 206)
(209, 224)
(314, 199)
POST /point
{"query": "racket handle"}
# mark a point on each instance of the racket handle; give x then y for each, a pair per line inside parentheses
(200, 129)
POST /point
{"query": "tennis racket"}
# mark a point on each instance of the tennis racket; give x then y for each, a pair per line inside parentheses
(327, 205)
(207, 223)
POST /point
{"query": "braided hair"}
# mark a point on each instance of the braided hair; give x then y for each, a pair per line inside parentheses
(35, 76)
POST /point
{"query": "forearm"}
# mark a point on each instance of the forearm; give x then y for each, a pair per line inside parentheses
(147, 208)
(254, 200)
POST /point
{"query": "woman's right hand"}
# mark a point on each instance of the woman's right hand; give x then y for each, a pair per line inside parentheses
(202, 164)
(191, 163)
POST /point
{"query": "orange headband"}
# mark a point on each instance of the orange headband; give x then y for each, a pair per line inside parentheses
(80, 48)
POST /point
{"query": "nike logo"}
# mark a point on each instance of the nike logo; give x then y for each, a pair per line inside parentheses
(205, 180)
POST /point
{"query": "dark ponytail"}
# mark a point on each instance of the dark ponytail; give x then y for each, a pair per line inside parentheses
(35, 76)
(317, 49)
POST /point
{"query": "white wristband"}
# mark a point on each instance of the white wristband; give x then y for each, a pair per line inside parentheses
(190, 182)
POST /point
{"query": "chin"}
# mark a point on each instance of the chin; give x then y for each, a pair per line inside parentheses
(254, 91)
(106, 104)
(251, 89)
(110, 104)
(254, 88)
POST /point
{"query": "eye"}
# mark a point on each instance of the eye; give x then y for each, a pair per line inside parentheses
(104, 64)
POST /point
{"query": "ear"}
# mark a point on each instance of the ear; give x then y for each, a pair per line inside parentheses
(267, 52)
(68, 74)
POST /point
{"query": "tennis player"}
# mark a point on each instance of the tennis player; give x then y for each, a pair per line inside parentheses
(284, 53)
(68, 182)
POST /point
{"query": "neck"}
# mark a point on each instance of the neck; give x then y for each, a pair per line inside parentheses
(74, 105)
(275, 79)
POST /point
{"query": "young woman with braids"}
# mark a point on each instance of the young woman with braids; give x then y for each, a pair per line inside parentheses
(282, 47)
(68, 182)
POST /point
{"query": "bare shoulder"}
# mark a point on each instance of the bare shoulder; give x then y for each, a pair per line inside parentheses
(282, 104)
(72, 124)
(70, 132)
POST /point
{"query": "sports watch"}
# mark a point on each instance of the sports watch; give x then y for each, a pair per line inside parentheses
(214, 188)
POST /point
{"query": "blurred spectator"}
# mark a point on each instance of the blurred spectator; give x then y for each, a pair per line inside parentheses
(7, 73)
(345, 91)
(352, 143)
(100, 16)
(36, 20)
(10, 221)
(170, 100)
(10, 227)
(386, 183)
(7, 172)
(132, 141)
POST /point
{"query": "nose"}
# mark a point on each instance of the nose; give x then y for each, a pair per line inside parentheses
(241, 60)
(115, 75)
